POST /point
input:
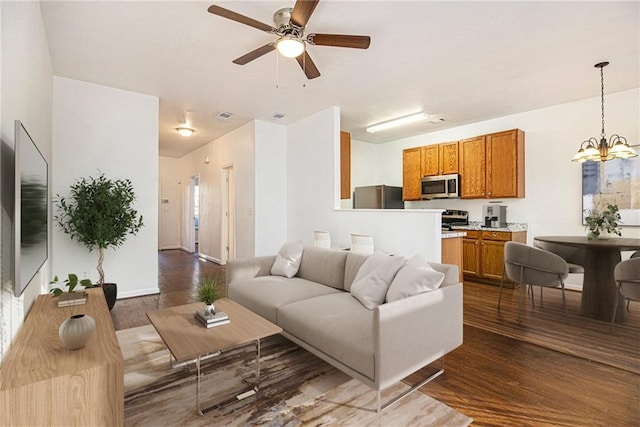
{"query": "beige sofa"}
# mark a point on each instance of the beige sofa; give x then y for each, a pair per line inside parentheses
(378, 347)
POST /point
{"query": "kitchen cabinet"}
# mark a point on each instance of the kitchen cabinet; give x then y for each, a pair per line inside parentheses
(473, 168)
(505, 164)
(440, 159)
(430, 160)
(448, 157)
(345, 165)
(483, 253)
(411, 174)
(492, 166)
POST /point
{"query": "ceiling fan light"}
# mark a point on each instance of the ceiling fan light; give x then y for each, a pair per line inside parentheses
(290, 46)
(185, 131)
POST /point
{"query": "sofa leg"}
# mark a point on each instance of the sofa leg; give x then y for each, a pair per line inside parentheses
(405, 393)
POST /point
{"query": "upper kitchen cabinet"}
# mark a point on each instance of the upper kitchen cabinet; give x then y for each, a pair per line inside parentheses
(440, 159)
(448, 157)
(473, 168)
(505, 164)
(430, 160)
(411, 174)
(492, 166)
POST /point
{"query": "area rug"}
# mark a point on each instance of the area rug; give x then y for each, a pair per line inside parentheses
(296, 388)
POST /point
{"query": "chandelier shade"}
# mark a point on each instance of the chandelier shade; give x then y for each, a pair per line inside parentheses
(616, 147)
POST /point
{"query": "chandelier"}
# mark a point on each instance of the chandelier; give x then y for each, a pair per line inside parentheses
(617, 147)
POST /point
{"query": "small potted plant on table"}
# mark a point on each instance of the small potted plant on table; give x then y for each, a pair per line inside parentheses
(76, 330)
(602, 222)
(208, 291)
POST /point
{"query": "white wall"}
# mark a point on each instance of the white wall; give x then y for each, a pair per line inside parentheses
(233, 149)
(553, 202)
(26, 88)
(313, 181)
(170, 203)
(270, 187)
(101, 129)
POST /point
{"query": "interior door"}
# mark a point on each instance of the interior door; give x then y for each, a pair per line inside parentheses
(228, 223)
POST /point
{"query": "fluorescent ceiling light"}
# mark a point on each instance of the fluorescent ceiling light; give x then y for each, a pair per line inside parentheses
(399, 122)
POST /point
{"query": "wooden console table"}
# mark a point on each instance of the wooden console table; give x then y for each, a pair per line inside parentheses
(43, 383)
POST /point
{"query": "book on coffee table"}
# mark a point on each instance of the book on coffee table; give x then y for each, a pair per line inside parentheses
(213, 324)
(218, 316)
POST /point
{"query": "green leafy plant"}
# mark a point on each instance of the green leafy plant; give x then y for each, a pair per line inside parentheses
(601, 219)
(71, 283)
(99, 214)
(209, 290)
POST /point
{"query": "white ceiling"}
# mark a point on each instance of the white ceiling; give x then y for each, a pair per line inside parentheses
(468, 61)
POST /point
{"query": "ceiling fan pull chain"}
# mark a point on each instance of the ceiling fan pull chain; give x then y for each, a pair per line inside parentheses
(277, 72)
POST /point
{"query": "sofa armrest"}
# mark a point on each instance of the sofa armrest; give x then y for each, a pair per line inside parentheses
(239, 269)
(412, 332)
(450, 271)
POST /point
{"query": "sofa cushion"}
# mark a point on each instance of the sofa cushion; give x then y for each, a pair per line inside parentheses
(263, 295)
(324, 266)
(288, 260)
(337, 325)
(415, 277)
(372, 281)
(351, 268)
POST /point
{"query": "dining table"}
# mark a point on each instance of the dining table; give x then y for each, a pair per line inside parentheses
(598, 286)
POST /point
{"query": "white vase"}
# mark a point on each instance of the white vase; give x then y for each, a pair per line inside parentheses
(76, 331)
(209, 309)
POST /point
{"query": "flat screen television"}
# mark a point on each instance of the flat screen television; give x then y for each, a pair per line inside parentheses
(31, 209)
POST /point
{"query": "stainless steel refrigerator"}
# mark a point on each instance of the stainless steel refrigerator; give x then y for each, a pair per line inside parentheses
(378, 197)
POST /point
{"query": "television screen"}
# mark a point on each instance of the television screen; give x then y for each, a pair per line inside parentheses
(31, 209)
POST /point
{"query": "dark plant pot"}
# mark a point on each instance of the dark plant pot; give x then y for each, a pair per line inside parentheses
(110, 294)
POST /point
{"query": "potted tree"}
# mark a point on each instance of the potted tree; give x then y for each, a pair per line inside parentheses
(99, 214)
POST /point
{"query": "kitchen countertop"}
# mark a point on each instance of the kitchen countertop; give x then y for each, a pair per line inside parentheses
(454, 233)
(477, 225)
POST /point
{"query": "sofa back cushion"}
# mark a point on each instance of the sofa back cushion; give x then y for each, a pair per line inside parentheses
(352, 266)
(324, 266)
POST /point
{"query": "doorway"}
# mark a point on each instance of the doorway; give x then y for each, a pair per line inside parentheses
(228, 240)
(194, 217)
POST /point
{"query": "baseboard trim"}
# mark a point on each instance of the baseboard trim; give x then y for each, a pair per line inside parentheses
(138, 293)
(169, 248)
(210, 258)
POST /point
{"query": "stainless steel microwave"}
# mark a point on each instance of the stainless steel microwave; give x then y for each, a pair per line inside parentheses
(440, 187)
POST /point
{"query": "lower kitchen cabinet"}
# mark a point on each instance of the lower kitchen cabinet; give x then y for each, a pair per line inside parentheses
(483, 253)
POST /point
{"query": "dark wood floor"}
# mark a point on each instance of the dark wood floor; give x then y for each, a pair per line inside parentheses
(493, 378)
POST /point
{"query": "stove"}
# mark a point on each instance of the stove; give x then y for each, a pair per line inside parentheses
(452, 218)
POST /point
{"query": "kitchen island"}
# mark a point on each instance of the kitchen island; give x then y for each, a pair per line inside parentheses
(452, 249)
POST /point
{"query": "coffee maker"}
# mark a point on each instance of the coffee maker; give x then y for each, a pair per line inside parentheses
(495, 216)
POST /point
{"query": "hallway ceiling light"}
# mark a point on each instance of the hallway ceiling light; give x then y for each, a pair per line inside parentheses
(184, 130)
(595, 151)
(403, 121)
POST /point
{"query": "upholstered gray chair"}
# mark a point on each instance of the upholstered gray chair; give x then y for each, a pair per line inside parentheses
(527, 265)
(627, 276)
(575, 257)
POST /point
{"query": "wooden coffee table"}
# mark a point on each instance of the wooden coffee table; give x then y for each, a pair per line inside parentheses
(190, 342)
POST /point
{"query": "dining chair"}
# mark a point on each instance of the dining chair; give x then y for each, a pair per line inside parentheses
(361, 244)
(575, 257)
(627, 277)
(321, 239)
(526, 265)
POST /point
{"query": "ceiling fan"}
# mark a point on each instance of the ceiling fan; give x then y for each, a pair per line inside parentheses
(289, 27)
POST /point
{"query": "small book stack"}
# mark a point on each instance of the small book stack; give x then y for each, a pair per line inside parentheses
(74, 298)
(218, 318)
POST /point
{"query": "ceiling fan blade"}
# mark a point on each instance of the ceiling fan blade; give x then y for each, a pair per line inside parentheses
(307, 65)
(339, 40)
(302, 12)
(229, 14)
(255, 54)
